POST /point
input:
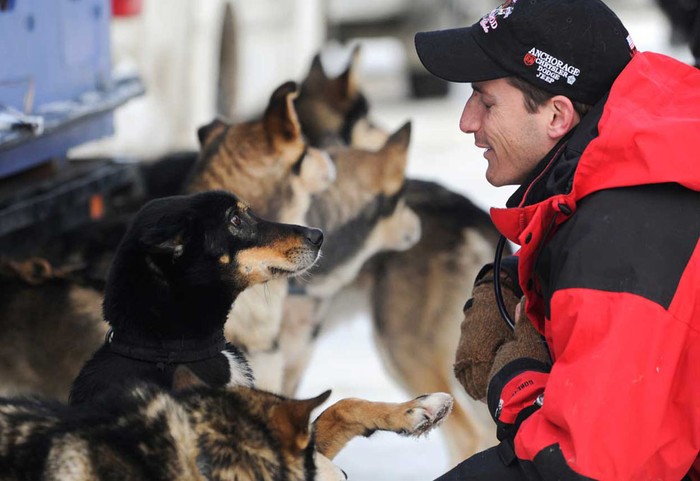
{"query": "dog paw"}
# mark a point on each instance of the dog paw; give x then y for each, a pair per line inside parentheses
(428, 411)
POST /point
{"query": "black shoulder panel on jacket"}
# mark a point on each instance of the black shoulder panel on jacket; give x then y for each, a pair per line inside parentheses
(550, 464)
(636, 240)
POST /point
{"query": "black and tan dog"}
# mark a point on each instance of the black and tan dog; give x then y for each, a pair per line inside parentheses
(195, 432)
(174, 278)
(416, 294)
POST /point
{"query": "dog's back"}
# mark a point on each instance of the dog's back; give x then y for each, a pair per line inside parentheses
(145, 433)
(139, 435)
(108, 369)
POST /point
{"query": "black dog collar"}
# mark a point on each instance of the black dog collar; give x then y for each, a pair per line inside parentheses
(166, 352)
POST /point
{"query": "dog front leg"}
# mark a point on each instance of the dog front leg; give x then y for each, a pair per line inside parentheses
(352, 417)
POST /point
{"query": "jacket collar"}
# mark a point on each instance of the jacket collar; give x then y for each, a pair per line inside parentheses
(554, 174)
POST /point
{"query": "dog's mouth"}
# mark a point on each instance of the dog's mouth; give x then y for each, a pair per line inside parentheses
(258, 266)
(302, 261)
(278, 271)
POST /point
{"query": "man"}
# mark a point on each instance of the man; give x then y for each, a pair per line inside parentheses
(602, 140)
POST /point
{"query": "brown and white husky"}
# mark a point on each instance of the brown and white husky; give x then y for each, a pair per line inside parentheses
(416, 294)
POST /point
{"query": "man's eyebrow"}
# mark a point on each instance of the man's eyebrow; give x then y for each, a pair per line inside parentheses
(482, 91)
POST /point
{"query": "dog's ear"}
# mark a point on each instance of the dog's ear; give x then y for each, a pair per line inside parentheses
(168, 234)
(174, 246)
(316, 75)
(207, 131)
(164, 241)
(347, 83)
(400, 139)
(280, 117)
(291, 418)
(394, 159)
(184, 378)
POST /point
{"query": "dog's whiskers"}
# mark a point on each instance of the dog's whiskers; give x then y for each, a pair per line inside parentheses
(266, 293)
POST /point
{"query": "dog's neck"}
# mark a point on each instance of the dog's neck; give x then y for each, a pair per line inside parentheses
(346, 232)
(141, 300)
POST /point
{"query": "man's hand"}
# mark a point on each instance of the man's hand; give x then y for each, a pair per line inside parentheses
(527, 343)
(483, 332)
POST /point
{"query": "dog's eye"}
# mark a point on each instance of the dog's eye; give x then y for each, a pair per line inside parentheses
(236, 220)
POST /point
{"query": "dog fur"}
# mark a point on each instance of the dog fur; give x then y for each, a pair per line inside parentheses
(334, 111)
(352, 417)
(177, 272)
(195, 432)
(416, 295)
(47, 337)
(363, 212)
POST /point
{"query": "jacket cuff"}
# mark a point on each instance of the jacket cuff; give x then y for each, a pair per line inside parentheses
(525, 379)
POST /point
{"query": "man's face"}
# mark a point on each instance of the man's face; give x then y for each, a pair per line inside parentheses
(515, 139)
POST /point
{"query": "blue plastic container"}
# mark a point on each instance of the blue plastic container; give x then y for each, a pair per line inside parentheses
(56, 88)
(53, 50)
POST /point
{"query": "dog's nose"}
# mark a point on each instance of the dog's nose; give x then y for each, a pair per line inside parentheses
(315, 236)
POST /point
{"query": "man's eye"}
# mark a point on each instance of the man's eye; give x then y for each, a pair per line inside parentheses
(236, 220)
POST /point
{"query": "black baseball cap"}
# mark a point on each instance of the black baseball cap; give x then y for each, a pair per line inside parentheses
(574, 48)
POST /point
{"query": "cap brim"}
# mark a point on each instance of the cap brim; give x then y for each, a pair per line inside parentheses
(454, 55)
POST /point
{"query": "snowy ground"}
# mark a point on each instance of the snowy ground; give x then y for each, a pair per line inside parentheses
(345, 359)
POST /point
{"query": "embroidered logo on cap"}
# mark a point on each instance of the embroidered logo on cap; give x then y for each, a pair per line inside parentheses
(490, 21)
(549, 68)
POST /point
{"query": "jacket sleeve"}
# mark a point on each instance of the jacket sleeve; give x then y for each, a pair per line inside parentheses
(613, 407)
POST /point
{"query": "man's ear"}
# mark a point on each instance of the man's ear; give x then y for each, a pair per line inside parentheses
(562, 116)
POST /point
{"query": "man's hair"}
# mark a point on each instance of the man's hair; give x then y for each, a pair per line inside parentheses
(536, 97)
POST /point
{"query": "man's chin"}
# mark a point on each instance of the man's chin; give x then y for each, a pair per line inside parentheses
(494, 179)
(499, 181)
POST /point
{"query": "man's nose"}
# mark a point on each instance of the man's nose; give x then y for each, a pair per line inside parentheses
(469, 121)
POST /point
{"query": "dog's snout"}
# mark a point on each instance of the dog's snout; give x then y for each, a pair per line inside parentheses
(315, 236)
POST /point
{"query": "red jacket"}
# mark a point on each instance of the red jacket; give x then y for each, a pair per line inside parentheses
(610, 265)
